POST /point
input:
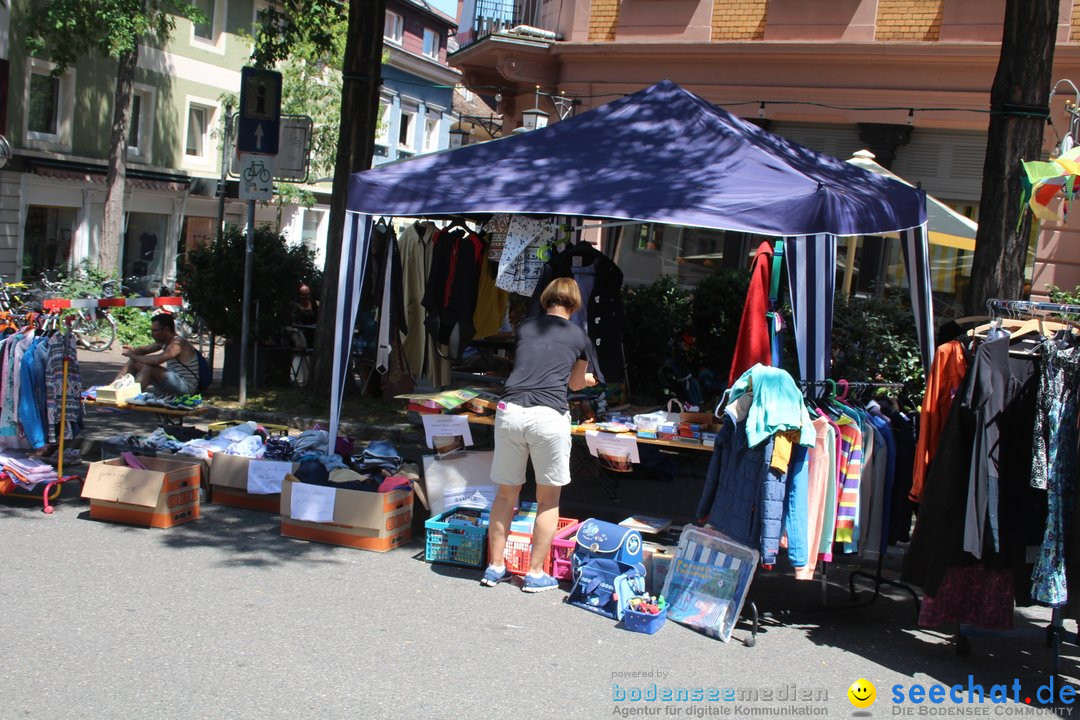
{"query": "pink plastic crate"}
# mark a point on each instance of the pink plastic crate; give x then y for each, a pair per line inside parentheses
(562, 548)
(518, 552)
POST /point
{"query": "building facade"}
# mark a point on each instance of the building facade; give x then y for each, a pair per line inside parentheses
(52, 190)
(907, 79)
(416, 108)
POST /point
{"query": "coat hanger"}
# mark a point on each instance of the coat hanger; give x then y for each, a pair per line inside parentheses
(845, 386)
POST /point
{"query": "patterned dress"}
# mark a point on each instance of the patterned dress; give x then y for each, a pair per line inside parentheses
(1054, 465)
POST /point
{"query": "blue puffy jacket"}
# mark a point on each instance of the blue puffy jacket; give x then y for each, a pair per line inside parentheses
(743, 497)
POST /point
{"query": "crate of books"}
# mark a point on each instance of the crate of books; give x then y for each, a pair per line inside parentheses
(457, 537)
(518, 554)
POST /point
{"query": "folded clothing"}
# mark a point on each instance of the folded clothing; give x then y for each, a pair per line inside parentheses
(394, 482)
(29, 466)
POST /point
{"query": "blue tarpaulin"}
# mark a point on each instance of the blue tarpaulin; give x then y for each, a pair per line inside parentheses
(660, 155)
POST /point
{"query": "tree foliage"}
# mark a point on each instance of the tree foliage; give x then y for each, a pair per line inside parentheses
(874, 339)
(212, 278)
(67, 30)
(292, 27)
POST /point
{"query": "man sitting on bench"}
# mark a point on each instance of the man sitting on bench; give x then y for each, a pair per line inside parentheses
(169, 363)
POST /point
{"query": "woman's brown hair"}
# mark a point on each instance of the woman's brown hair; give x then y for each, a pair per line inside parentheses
(562, 291)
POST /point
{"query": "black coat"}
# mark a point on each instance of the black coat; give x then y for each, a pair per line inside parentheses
(604, 306)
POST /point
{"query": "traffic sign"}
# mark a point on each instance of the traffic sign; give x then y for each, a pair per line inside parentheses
(256, 176)
(294, 149)
(260, 111)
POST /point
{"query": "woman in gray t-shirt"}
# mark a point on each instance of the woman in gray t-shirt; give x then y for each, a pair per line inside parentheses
(533, 421)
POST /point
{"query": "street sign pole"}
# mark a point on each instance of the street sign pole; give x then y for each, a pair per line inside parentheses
(257, 132)
(249, 255)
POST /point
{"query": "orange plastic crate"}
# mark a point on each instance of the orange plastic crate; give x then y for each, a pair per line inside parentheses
(518, 553)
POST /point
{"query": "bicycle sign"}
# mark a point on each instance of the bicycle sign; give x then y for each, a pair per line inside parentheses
(256, 176)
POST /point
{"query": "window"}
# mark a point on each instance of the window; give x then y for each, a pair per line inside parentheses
(405, 129)
(204, 30)
(134, 124)
(198, 130)
(431, 44)
(44, 108)
(393, 27)
(47, 239)
(145, 241)
(48, 104)
(431, 134)
(309, 233)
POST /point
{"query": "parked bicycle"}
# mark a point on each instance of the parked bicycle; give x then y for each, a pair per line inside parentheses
(94, 328)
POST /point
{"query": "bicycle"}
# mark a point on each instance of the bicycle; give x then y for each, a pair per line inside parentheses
(94, 328)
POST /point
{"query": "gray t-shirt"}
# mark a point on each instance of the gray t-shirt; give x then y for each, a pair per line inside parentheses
(547, 348)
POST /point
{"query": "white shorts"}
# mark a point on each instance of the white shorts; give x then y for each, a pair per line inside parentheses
(539, 432)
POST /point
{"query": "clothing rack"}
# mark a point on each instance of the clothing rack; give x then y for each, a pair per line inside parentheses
(1055, 632)
(876, 577)
(1030, 307)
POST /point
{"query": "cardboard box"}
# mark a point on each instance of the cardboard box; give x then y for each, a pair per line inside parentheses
(364, 520)
(229, 483)
(163, 495)
(108, 396)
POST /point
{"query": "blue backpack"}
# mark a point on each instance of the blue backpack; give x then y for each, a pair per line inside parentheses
(607, 569)
(206, 373)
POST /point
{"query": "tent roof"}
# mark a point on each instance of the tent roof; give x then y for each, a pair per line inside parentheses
(659, 155)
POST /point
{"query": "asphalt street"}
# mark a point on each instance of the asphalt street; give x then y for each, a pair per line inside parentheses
(224, 618)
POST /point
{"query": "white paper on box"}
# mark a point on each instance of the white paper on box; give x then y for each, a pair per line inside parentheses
(264, 476)
(616, 444)
(449, 425)
(314, 503)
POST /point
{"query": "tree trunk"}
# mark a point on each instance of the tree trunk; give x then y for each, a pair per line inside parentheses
(356, 146)
(1018, 104)
(108, 258)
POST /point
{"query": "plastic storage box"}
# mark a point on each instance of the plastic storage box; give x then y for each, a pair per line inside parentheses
(708, 580)
(562, 552)
(518, 552)
(457, 537)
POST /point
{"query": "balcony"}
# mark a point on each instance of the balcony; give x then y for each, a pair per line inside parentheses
(523, 18)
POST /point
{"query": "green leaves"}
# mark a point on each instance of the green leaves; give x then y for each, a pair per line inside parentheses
(874, 340)
(312, 29)
(212, 278)
(66, 30)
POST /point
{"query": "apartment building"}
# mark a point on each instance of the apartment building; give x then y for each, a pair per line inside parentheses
(416, 110)
(907, 79)
(52, 188)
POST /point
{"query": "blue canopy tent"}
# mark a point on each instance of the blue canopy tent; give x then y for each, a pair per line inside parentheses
(660, 155)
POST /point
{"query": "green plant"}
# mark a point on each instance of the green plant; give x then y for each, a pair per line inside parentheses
(656, 315)
(874, 339)
(714, 325)
(212, 278)
(132, 325)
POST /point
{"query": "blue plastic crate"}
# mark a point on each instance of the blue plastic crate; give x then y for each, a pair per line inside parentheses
(643, 622)
(455, 542)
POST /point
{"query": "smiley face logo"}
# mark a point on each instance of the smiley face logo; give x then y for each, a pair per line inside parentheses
(862, 693)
